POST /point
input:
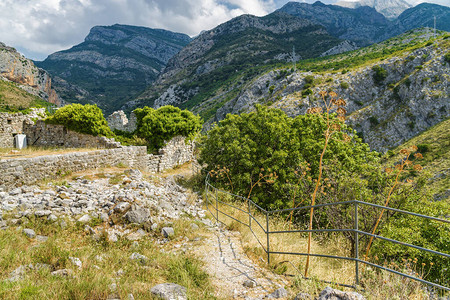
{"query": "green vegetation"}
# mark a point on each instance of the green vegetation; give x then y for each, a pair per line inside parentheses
(447, 57)
(87, 119)
(102, 261)
(158, 126)
(379, 74)
(14, 99)
(274, 160)
(266, 144)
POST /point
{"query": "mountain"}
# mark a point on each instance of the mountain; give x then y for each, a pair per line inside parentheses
(219, 60)
(113, 64)
(16, 72)
(391, 9)
(423, 15)
(363, 25)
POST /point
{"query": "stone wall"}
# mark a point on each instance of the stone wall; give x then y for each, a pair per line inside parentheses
(175, 153)
(42, 134)
(118, 120)
(12, 124)
(26, 171)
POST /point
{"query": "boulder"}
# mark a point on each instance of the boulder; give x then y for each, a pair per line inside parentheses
(29, 233)
(280, 293)
(169, 291)
(138, 215)
(167, 231)
(331, 294)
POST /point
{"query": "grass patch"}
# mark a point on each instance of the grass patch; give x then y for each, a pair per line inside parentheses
(93, 280)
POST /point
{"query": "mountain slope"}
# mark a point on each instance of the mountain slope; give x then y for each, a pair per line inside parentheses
(391, 9)
(113, 64)
(413, 95)
(25, 75)
(218, 60)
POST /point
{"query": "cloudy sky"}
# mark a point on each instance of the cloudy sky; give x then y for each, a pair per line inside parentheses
(38, 28)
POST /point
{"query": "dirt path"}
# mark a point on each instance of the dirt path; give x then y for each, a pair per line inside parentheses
(229, 267)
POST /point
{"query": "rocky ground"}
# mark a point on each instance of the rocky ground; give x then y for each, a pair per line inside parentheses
(131, 206)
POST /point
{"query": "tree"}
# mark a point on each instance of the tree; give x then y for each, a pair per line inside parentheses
(267, 141)
(87, 119)
(160, 125)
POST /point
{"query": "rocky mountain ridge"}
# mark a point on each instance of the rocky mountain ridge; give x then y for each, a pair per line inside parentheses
(16, 68)
(391, 9)
(231, 50)
(212, 69)
(113, 64)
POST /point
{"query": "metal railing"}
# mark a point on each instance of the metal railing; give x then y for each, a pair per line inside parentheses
(213, 201)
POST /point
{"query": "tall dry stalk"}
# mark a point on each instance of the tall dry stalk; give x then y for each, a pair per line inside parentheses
(399, 168)
(331, 128)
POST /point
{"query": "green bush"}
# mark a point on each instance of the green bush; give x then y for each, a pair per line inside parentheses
(344, 85)
(379, 74)
(309, 79)
(268, 142)
(447, 57)
(87, 119)
(423, 148)
(158, 126)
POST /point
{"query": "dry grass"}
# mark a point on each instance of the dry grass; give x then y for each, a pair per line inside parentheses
(11, 153)
(323, 268)
(166, 263)
(377, 284)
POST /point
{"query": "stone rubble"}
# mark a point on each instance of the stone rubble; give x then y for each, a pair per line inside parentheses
(135, 201)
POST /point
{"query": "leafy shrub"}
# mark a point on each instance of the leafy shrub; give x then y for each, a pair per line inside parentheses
(379, 74)
(309, 79)
(87, 119)
(447, 57)
(306, 92)
(268, 142)
(157, 126)
(344, 85)
(423, 148)
(374, 121)
(271, 88)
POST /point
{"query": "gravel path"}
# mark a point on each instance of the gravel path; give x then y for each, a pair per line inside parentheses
(229, 267)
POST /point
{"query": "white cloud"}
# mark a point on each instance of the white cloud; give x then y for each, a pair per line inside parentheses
(41, 27)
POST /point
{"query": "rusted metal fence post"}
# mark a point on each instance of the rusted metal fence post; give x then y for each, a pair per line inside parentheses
(268, 239)
(356, 245)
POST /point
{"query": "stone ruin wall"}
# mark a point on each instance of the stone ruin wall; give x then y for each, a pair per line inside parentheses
(118, 120)
(24, 171)
(12, 124)
(27, 171)
(176, 152)
(42, 134)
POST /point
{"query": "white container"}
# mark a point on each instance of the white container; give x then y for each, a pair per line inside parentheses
(20, 141)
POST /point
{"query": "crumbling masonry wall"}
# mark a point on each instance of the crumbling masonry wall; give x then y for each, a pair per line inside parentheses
(26, 171)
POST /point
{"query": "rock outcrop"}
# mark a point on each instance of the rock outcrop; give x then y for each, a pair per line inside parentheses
(391, 9)
(16, 68)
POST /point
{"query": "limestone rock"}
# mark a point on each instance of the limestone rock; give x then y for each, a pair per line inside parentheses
(167, 232)
(169, 291)
(279, 293)
(29, 233)
(138, 215)
(142, 259)
(331, 294)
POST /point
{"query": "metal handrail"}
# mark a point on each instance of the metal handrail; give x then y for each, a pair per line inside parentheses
(355, 230)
